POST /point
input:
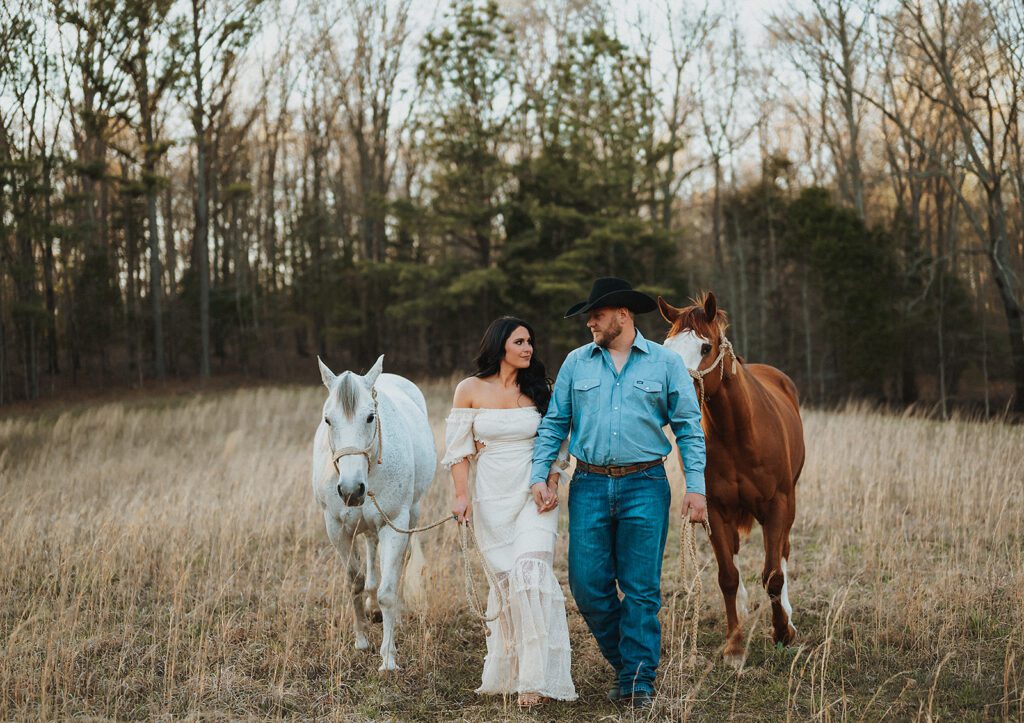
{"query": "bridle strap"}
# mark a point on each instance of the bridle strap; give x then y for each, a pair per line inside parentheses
(364, 451)
(724, 347)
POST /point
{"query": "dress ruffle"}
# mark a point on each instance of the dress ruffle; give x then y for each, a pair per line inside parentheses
(536, 657)
(458, 436)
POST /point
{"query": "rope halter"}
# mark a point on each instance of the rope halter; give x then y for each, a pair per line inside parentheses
(364, 451)
(724, 347)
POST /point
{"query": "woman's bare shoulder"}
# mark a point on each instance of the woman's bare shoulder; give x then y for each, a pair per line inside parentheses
(467, 391)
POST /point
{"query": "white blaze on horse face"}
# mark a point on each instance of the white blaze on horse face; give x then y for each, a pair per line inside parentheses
(687, 344)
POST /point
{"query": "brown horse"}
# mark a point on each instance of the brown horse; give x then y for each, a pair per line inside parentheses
(755, 451)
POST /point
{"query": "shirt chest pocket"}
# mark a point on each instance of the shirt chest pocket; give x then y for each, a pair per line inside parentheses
(585, 391)
(648, 392)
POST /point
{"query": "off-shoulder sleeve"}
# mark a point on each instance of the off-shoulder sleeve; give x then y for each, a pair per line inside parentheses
(458, 436)
(561, 463)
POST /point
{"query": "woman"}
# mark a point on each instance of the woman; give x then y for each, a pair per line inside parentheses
(490, 431)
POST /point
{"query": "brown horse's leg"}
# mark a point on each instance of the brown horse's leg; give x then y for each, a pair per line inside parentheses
(725, 542)
(776, 553)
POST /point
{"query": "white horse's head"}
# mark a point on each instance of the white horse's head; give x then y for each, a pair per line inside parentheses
(353, 429)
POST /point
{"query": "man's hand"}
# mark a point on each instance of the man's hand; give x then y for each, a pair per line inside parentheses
(695, 507)
(542, 496)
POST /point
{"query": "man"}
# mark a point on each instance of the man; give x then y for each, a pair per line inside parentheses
(615, 395)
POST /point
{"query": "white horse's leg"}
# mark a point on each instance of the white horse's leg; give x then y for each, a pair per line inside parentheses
(414, 519)
(392, 557)
(344, 542)
(372, 579)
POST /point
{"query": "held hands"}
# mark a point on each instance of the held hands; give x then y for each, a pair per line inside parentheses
(545, 495)
(695, 507)
(461, 509)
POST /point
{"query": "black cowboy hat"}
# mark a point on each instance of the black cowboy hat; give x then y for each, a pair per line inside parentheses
(613, 292)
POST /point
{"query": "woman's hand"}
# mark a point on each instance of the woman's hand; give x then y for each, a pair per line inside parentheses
(461, 509)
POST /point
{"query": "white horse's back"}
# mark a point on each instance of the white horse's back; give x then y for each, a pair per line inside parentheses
(408, 397)
(404, 386)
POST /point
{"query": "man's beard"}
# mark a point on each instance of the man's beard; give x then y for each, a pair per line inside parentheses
(607, 337)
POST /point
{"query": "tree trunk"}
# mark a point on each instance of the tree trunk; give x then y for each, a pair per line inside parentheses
(53, 360)
(1004, 278)
(202, 210)
(149, 168)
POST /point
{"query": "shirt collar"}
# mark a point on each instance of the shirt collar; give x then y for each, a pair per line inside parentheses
(640, 343)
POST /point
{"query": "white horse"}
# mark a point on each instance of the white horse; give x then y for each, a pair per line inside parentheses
(373, 436)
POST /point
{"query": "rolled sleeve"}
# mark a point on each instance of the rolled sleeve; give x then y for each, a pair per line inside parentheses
(684, 419)
(554, 428)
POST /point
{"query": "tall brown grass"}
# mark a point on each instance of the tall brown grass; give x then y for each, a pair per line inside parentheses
(166, 559)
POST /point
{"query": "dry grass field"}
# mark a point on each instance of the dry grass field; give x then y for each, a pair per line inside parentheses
(164, 558)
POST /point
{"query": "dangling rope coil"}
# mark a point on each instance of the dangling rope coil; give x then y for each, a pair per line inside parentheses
(695, 593)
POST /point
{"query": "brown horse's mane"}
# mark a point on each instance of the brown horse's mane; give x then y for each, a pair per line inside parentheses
(693, 317)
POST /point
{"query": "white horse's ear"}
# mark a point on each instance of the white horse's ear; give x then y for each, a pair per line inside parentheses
(375, 370)
(326, 374)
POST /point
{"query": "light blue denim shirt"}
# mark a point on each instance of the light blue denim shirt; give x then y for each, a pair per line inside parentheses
(616, 418)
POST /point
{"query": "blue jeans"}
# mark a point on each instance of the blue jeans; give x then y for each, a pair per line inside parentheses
(617, 532)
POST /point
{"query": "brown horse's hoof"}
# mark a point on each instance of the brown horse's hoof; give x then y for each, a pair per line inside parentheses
(733, 660)
(734, 653)
(788, 638)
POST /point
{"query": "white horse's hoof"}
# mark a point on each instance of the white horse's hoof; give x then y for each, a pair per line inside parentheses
(389, 666)
(362, 643)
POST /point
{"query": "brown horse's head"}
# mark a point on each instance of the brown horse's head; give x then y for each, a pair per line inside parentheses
(696, 335)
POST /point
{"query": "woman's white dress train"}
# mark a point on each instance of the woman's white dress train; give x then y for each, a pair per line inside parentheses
(528, 648)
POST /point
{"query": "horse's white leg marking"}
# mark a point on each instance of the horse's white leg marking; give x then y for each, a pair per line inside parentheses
(741, 592)
(342, 540)
(785, 594)
(392, 557)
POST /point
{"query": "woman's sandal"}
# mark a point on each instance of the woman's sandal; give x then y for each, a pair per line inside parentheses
(531, 700)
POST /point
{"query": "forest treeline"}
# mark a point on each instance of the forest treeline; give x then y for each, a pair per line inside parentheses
(197, 187)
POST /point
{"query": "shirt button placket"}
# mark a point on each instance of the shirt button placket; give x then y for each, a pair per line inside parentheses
(616, 421)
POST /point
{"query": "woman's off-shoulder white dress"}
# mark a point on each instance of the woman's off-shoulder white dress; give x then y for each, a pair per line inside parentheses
(528, 646)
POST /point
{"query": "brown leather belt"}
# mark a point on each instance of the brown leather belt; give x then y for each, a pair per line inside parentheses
(619, 471)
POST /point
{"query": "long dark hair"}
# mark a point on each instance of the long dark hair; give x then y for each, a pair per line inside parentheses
(533, 381)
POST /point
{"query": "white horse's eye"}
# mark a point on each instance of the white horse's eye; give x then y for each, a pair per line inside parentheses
(327, 421)
(369, 420)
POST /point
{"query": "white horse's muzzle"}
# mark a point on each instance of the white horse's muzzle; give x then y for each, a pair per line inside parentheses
(354, 498)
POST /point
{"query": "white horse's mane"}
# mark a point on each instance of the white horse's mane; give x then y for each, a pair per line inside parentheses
(347, 391)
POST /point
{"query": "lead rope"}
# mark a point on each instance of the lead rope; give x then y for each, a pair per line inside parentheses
(471, 593)
(695, 593)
